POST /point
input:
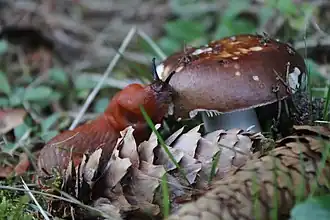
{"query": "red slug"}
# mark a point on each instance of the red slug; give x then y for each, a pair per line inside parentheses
(103, 132)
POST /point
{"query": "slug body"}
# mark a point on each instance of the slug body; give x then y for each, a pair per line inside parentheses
(103, 132)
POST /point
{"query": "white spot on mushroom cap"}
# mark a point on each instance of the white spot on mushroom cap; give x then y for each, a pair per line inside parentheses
(237, 73)
(255, 48)
(293, 79)
(202, 50)
(235, 58)
(255, 78)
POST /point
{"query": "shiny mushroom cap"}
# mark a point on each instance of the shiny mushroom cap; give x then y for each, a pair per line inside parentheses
(232, 74)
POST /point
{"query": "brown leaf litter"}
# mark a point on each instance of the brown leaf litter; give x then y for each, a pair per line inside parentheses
(14, 167)
(11, 118)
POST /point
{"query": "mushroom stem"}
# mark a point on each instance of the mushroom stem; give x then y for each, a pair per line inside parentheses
(237, 119)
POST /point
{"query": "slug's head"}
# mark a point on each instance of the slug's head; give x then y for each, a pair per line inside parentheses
(162, 90)
(124, 109)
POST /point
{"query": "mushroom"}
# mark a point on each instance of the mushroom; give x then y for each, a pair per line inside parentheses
(228, 78)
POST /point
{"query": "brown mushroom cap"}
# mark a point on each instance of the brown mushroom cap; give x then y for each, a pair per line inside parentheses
(234, 73)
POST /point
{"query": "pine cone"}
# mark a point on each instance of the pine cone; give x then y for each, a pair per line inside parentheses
(129, 180)
(267, 184)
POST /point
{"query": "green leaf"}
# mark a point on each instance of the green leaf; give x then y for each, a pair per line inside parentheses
(313, 208)
(3, 46)
(6, 148)
(183, 30)
(4, 102)
(222, 31)
(54, 96)
(47, 136)
(83, 94)
(312, 67)
(169, 45)
(297, 23)
(16, 98)
(4, 84)
(234, 27)
(234, 8)
(20, 130)
(59, 76)
(37, 93)
(48, 122)
(265, 14)
(287, 7)
(84, 82)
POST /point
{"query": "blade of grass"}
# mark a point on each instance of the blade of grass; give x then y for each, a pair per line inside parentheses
(166, 197)
(162, 142)
(215, 161)
(67, 198)
(20, 142)
(321, 167)
(326, 105)
(109, 69)
(42, 211)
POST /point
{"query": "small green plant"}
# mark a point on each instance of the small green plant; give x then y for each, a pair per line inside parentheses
(13, 207)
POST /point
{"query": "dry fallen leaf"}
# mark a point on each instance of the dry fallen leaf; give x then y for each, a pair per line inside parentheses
(118, 167)
(92, 166)
(23, 164)
(6, 171)
(146, 180)
(10, 119)
(188, 142)
(104, 205)
(118, 199)
(165, 160)
(174, 136)
(146, 148)
(15, 168)
(129, 148)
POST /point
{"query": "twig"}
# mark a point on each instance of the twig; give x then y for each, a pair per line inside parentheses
(112, 64)
(20, 141)
(112, 82)
(67, 198)
(42, 211)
